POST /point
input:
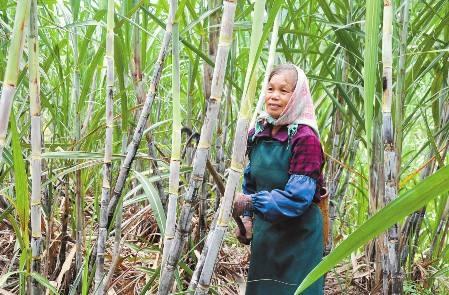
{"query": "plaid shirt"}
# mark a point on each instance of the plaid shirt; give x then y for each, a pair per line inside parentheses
(307, 154)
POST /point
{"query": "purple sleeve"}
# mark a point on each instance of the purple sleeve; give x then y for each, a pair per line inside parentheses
(307, 155)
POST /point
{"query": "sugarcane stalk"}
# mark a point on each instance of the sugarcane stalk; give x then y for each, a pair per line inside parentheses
(401, 78)
(107, 160)
(390, 157)
(64, 225)
(438, 233)
(199, 265)
(270, 63)
(76, 136)
(333, 171)
(211, 47)
(138, 132)
(175, 160)
(442, 140)
(90, 105)
(238, 153)
(221, 189)
(12, 68)
(199, 163)
(140, 94)
(36, 147)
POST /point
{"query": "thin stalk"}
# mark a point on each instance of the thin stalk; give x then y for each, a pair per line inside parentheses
(64, 225)
(73, 34)
(270, 63)
(185, 220)
(12, 68)
(138, 132)
(199, 265)
(137, 75)
(175, 160)
(390, 156)
(398, 104)
(107, 160)
(332, 168)
(238, 153)
(36, 147)
(90, 105)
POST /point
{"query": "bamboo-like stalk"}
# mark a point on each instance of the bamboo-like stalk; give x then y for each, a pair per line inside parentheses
(211, 47)
(333, 170)
(390, 157)
(12, 68)
(199, 265)
(73, 34)
(36, 147)
(175, 161)
(140, 94)
(270, 63)
(199, 163)
(91, 104)
(400, 83)
(64, 224)
(118, 240)
(138, 132)
(238, 153)
(107, 160)
(400, 95)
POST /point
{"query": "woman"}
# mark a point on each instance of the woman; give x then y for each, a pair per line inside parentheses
(281, 187)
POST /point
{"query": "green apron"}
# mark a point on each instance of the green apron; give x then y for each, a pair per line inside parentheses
(282, 253)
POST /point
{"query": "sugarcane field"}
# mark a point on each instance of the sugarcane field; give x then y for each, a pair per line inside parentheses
(224, 147)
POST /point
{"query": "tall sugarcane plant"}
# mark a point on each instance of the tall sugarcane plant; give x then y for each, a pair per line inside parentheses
(270, 62)
(175, 161)
(76, 131)
(36, 146)
(238, 153)
(391, 254)
(107, 160)
(335, 42)
(199, 162)
(131, 150)
(12, 68)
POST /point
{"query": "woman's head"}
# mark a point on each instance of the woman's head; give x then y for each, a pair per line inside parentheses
(281, 85)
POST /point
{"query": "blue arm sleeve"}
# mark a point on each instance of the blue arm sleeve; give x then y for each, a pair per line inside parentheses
(291, 202)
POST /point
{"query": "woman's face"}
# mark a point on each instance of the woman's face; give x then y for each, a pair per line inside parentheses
(279, 90)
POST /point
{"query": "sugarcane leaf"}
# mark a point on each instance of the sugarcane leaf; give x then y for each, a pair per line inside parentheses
(5, 277)
(406, 203)
(154, 199)
(75, 8)
(44, 282)
(371, 72)
(431, 138)
(20, 181)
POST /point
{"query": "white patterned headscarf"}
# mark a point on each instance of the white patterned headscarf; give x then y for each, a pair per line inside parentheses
(299, 109)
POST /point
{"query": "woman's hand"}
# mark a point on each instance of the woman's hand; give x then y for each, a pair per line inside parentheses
(246, 238)
(242, 203)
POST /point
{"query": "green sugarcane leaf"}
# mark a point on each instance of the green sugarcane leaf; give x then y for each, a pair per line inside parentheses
(431, 138)
(155, 201)
(406, 203)
(20, 182)
(44, 282)
(75, 8)
(371, 72)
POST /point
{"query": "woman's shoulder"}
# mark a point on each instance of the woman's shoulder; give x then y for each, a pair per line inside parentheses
(307, 154)
(305, 133)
